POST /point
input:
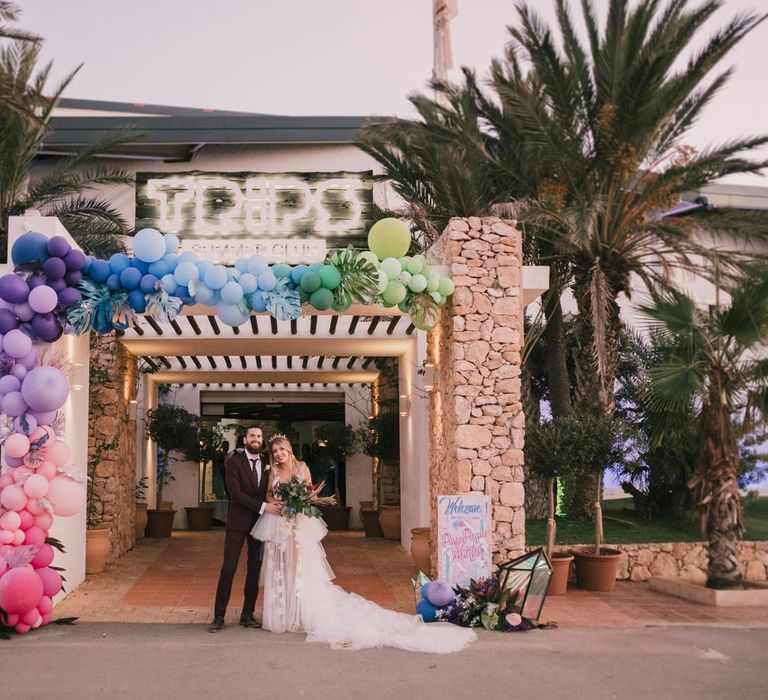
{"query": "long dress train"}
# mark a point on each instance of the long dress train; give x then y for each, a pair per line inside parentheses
(299, 596)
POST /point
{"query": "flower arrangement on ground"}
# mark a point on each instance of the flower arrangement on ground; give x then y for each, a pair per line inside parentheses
(299, 497)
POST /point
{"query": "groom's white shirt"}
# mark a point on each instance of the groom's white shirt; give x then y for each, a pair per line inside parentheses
(259, 469)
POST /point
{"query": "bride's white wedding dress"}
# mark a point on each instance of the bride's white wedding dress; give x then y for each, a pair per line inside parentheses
(299, 596)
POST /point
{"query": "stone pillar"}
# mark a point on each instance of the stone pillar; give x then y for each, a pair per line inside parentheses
(477, 422)
(112, 442)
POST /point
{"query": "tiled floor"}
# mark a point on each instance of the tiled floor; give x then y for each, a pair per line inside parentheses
(173, 581)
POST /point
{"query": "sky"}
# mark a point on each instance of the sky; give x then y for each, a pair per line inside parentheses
(319, 57)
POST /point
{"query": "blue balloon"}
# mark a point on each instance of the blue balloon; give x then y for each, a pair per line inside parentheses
(267, 281)
(231, 293)
(427, 611)
(297, 273)
(205, 296)
(130, 277)
(171, 242)
(147, 284)
(113, 282)
(241, 264)
(216, 277)
(248, 282)
(87, 264)
(203, 266)
(169, 283)
(159, 268)
(281, 270)
(30, 247)
(189, 256)
(99, 271)
(257, 302)
(184, 295)
(149, 245)
(230, 314)
(185, 272)
(137, 301)
(315, 267)
(257, 264)
(118, 262)
(171, 260)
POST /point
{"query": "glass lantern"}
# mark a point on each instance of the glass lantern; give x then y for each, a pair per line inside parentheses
(530, 574)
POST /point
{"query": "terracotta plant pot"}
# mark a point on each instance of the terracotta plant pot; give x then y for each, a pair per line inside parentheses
(140, 520)
(336, 517)
(597, 572)
(165, 505)
(561, 568)
(199, 518)
(159, 523)
(389, 519)
(420, 548)
(370, 518)
(96, 548)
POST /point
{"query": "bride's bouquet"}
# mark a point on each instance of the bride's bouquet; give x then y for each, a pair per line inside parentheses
(299, 497)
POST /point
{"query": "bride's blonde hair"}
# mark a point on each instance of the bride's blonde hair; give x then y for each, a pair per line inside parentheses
(296, 465)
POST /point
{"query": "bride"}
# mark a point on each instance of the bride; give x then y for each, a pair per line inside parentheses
(300, 597)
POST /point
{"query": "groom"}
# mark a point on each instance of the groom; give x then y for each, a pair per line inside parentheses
(246, 478)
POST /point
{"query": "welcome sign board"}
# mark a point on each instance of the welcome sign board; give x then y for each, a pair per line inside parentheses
(463, 538)
(242, 207)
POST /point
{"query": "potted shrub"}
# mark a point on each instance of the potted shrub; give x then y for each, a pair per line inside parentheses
(339, 441)
(173, 429)
(210, 439)
(140, 499)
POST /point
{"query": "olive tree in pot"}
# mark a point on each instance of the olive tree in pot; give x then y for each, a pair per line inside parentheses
(340, 441)
(173, 429)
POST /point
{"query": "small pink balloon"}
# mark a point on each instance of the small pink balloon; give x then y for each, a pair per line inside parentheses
(44, 557)
(6, 537)
(58, 453)
(31, 617)
(20, 590)
(21, 628)
(36, 486)
(3, 564)
(38, 622)
(37, 433)
(66, 495)
(43, 520)
(46, 619)
(36, 507)
(45, 605)
(27, 519)
(21, 474)
(13, 498)
(18, 537)
(6, 479)
(12, 620)
(47, 469)
(10, 520)
(50, 579)
(17, 445)
(34, 536)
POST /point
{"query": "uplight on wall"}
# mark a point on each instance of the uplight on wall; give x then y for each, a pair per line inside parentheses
(132, 409)
(429, 376)
(77, 376)
(405, 405)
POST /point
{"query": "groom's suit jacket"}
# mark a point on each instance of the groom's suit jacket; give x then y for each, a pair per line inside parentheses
(246, 494)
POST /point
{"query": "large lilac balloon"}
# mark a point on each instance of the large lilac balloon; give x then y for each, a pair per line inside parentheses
(45, 389)
(42, 299)
(13, 289)
(31, 247)
(16, 344)
(13, 404)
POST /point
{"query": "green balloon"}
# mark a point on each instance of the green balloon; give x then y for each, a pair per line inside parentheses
(404, 306)
(391, 267)
(404, 277)
(437, 297)
(383, 281)
(433, 282)
(310, 281)
(370, 257)
(417, 265)
(303, 296)
(389, 238)
(315, 267)
(394, 293)
(322, 299)
(446, 287)
(281, 270)
(405, 261)
(417, 283)
(330, 277)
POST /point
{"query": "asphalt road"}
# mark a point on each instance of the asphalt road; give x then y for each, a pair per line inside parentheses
(184, 661)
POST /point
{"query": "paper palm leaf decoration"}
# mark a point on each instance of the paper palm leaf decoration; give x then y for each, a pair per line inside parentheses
(425, 313)
(283, 303)
(101, 309)
(163, 307)
(359, 279)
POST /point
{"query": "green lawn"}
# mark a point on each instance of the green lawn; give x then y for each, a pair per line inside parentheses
(623, 527)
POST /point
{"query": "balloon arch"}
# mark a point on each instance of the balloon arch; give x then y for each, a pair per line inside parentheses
(56, 289)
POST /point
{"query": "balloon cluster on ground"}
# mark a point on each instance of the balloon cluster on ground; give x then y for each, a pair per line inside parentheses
(56, 289)
(436, 596)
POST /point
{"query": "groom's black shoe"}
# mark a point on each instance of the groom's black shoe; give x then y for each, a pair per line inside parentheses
(249, 621)
(216, 625)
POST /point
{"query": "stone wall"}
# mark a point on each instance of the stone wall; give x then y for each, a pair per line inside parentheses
(639, 562)
(112, 442)
(476, 421)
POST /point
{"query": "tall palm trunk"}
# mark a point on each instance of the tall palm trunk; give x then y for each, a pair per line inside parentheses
(717, 489)
(556, 363)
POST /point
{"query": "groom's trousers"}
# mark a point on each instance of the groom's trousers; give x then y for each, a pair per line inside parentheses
(233, 545)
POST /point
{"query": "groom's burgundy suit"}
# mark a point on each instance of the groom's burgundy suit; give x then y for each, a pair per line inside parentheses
(247, 495)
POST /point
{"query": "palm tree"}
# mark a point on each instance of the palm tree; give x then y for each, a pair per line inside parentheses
(714, 363)
(62, 190)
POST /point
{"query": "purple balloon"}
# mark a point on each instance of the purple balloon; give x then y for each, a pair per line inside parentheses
(439, 593)
(46, 327)
(30, 359)
(74, 260)
(43, 417)
(13, 462)
(13, 288)
(72, 278)
(25, 419)
(16, 343)
(69, 297)
(57, 285)
(8, 321)
(58, 246)
(13, 404)
(35, 281)
(19, 371)
(9, 383)
(54, 268)
(24, 312)
(43, 300)
(45, 389)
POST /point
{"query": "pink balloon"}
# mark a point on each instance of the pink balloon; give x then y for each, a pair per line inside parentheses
(16, 343)
(22, 473)
(12, 620)
(10, 520)
(47, 469)
(3, 565)
(50, 579)
(34, 536)
(27, 519)
(31, 617)
(45, 388)
(36, 507)
(6, 537)
(58, 452)
(45, 605)
(20, 590)
(44, 557)
(46, 619)
(37, 433)
(6, 479)
(13, 498)
(21, 628)
(36, 486)
(18, 537)
(17, 445)
(66, 495)
(43, 520)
